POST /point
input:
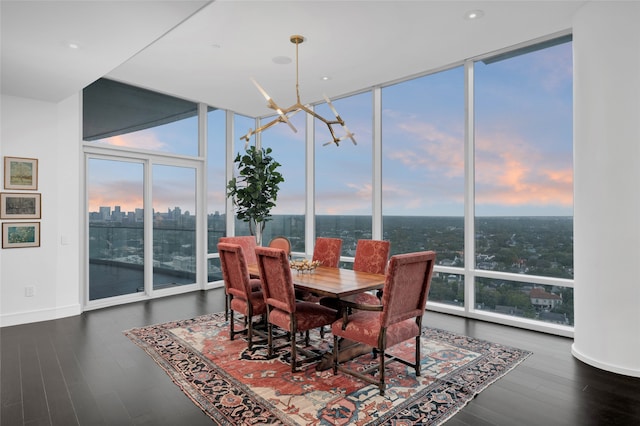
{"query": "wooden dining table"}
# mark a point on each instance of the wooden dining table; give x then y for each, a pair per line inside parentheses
(337, 283)
(332, 282)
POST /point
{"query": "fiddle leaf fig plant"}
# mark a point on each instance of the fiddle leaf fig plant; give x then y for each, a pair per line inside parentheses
(255, 190)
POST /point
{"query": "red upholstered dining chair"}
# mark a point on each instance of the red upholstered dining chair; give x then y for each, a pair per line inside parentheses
(397, 319)
(282, 243)
(327, 251)
(248, 244)
(371, 256)
(283, 310)
(242, 298)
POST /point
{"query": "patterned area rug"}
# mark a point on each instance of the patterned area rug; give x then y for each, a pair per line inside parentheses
(235, 386)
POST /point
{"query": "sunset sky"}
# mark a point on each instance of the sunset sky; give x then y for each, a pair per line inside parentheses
(523, 148)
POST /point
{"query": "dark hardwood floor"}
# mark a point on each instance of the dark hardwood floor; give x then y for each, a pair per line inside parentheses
(83, 371)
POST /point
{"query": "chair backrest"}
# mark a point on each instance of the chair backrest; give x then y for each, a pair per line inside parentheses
(371, 256)
(234, 270)
(248, 244)
(327, 251)
(282, 243)
(275, 274)
(407, 286)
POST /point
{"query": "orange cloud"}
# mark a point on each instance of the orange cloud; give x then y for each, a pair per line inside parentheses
(138, 140)
(512, 172)
(509, 169)
(120, 193)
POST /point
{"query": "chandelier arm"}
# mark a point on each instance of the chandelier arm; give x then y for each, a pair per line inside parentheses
(333, 135)
(261, 128)
(272, 105)
(316, 115)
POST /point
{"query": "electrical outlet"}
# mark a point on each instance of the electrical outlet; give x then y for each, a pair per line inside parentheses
(29, 291)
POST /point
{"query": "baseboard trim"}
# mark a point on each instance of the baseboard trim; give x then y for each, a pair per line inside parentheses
(603, 366)
(58, 312)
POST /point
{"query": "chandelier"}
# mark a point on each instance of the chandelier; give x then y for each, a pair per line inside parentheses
(285, 113)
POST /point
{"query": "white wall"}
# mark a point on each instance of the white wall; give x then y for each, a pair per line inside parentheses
(607, 186)
(50, 133)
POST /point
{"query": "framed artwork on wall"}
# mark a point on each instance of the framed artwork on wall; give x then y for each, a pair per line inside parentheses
(20, 173)
(20, 234)
(15, 205)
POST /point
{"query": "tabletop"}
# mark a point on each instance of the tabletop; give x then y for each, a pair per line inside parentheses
(333, 282)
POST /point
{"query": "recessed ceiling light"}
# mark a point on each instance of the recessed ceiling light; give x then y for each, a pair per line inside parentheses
(281, 60)
(325, 78)
(73, 45)
(474, 14)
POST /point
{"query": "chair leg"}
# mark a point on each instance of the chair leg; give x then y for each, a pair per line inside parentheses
(226, 307)
(306, 338)
(249, 327)
(269, 339)
(417, 366)
(293, 353)
(231, 330)
(382, 384)
(336, 351)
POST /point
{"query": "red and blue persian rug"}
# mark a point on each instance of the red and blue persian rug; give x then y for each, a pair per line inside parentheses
(237, 386)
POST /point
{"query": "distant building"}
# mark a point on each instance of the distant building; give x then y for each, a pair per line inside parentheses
(105, 213)
(542, 300)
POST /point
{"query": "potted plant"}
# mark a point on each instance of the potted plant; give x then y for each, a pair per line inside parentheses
(255, 190)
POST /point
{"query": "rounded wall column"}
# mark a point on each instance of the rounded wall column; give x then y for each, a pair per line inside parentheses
(606, 42)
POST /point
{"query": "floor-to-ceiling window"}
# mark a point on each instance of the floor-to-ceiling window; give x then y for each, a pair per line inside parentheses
(216, 189)
(423, 174)
(174, 225)
(524, 183)
(288, 149)
(343, 174)
(241, 125)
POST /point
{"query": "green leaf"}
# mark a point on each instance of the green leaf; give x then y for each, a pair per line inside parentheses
(255, 189)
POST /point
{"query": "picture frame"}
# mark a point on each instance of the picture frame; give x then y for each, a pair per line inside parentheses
(20, 205)
(20, 234)
(20, 173)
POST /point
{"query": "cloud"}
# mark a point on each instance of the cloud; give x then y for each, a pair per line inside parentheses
(169, 194)
(128, 195)
(124, 193)
(511, 172)
(138, 140)
(433, 149)
(510, 169)
(356, 199)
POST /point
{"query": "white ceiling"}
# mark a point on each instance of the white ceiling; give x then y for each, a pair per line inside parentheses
(208, 52)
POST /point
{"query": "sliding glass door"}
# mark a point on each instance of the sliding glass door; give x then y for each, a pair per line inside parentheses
(121, 249)
(116, 227)
(174, 226)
